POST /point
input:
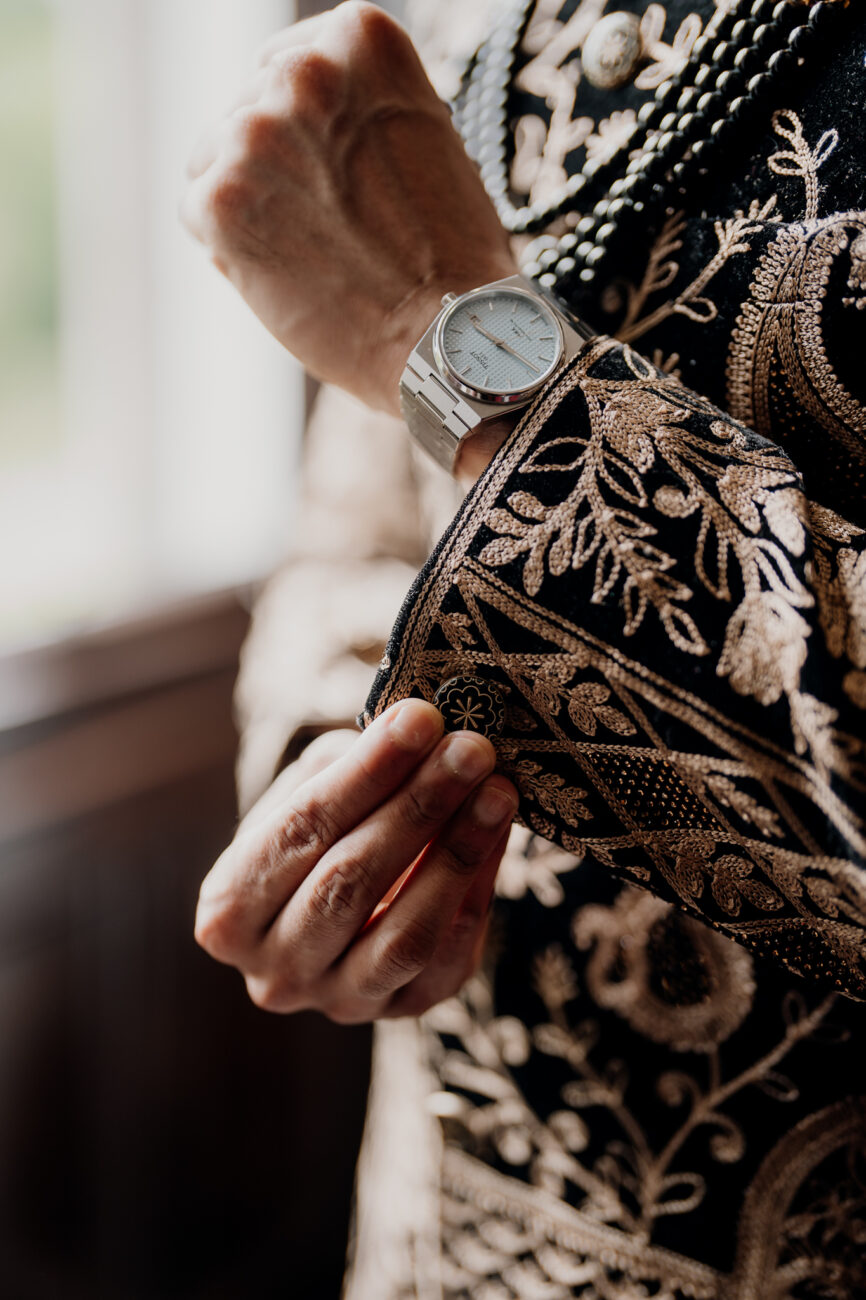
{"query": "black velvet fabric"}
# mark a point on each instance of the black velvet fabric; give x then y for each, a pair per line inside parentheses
(663, 572)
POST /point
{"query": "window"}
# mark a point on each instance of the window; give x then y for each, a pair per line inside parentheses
(148, 424)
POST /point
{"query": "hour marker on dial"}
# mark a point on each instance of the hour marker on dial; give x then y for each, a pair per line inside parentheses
(499, 331)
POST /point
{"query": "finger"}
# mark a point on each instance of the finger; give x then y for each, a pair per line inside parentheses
(402, 941)
(259, 871)
(357, 36)
(207, 148)
(336, 901)
(303, 33)
(226, 194)
(320, 753)
(459, 953)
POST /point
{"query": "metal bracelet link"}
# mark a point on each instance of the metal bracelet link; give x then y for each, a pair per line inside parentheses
(436, 416)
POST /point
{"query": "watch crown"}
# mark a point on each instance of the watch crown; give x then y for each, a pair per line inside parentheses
(448, 298)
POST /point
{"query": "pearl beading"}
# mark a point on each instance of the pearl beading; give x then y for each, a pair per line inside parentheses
(733, 68)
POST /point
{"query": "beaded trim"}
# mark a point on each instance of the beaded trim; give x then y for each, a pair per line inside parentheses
(734, 66)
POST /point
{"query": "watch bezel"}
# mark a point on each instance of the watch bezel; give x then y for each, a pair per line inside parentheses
(476, 391)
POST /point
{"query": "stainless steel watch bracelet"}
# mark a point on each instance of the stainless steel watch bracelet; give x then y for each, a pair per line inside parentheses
(437, 414)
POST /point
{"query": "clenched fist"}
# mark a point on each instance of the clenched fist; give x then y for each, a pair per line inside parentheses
(338, 199)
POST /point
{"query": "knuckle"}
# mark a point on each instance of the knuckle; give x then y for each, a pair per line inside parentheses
(341, 889)
(260, 134)
(400, 958)
(463, 857)
(231, 198)
(217, 927)
(313, 73)
(274, 994)
(426, 808)
(309, 829)
(373, 25)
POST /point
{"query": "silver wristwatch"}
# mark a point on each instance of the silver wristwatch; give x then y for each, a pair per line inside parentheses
(487, 352)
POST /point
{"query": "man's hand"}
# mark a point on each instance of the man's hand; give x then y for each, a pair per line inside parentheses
(338, 199)
(364, 891)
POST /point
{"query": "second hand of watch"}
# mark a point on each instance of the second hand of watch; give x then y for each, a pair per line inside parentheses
(476, 321)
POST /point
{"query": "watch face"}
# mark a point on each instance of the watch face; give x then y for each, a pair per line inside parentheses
(500, 343)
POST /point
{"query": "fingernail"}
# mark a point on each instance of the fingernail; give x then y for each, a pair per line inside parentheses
(491, 806)
(468, 759)
(415, 725)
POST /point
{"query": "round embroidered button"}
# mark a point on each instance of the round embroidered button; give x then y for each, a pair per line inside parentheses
(471, 704)
(612, 50)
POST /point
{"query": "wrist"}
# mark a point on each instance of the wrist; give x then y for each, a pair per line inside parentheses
(413, 317)
(480, 362)
(478, 449)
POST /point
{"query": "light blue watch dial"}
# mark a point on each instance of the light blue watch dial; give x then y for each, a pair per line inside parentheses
(500, 341)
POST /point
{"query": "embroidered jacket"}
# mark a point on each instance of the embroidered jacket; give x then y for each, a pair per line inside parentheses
(654, 1087)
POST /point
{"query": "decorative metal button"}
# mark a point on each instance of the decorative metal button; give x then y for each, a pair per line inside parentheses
(471, 704)
(612, 50)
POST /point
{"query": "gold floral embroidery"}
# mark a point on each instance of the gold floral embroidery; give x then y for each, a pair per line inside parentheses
(733, 817)
(532, 865)
(689, 990)
(694, 1001)
(780, 326)
(540, 1246)
(732, 235)
(760, 870)
(611, 135)
(667, 59)
(553, 74)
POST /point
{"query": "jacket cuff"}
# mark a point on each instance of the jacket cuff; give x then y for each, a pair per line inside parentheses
(623, 605)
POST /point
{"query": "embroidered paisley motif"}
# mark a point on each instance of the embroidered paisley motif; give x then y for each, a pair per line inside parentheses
(779, 336)
(671, 978)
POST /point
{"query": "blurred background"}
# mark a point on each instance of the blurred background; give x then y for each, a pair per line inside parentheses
(159, 1136)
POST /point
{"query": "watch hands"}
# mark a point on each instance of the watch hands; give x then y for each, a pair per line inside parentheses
(476, 321)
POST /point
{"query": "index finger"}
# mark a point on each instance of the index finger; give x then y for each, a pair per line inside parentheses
(257, 874)
(303, 32)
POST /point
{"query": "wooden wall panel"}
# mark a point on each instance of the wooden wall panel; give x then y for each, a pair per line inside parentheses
(159, 1136)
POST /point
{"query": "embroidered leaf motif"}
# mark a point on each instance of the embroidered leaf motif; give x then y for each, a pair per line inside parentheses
(778, 1086)
(680, 1193)
(500, 521)
(549, 684)
(784, 512)
(799, 160)
(587, 708)
(550, 791)
(541, 460)
(699, 309)
(716, 582)
(731, 883)
(503, 551)
(760, 895)
(524, 503)
(553, 977)
(458, 629)
(682, 630)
